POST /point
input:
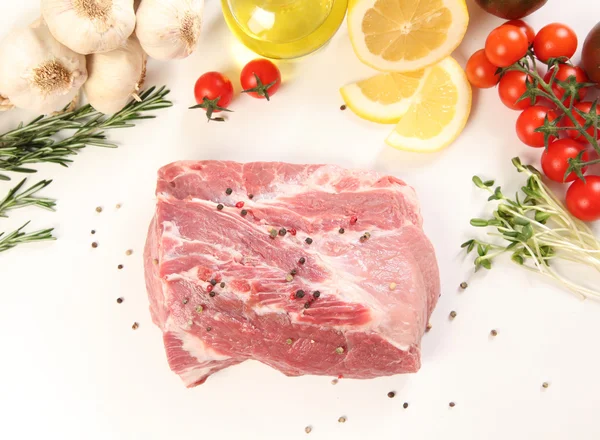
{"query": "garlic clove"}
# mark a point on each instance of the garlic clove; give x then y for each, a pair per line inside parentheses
(115, 77)
(90, 26)
(169, 29)
(38, 73)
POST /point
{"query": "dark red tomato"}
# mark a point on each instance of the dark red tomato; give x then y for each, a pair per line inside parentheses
(213, 92)
(584, 107)
(480, 72)
(530, 119)
(583, 199)
(512, 86)
(564, 72)
(555, 40)
(555, 159)
(529, 32)
(505, 45)
(260, 78)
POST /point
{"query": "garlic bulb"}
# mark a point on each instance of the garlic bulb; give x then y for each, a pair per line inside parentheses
(37, 72)
(115, 77)
(169, 29)
(90, 26)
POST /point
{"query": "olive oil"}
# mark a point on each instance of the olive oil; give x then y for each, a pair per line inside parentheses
(284, 28)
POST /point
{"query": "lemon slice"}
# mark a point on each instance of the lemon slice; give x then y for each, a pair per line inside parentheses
(406, 35)
(438, 113)
(384, 98)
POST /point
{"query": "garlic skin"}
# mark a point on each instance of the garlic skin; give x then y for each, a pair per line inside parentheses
(169, 29)
(90, 26)
(115, 77)
(38, 73)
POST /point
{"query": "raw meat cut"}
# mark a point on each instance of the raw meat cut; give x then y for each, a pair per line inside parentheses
(323, 270)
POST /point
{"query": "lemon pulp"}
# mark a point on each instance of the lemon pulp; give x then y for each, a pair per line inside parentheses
(284, 28)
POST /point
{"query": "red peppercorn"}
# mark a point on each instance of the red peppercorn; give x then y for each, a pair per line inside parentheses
(239, 205)
(292, 231)
(209, 288)
(353, 220)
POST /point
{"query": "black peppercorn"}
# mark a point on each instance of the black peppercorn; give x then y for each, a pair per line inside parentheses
(219, 206)
(213, 282)
(302, 260)
(341, 230)
(212, 294)
(308, 240)
(250, 196)
(228, 191)
(222, 285)
(293, 272)
(306, 305)
(391, 394)
(300, 294)
(316, 294)
(244, 212)
(282, 232)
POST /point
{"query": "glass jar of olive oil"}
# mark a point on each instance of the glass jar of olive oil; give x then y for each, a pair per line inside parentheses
(284, 28)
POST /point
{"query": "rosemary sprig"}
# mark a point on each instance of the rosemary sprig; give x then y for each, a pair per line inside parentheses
(537, 87)
(17, 237)
(33, 143)
(15, 199)
(537, 231)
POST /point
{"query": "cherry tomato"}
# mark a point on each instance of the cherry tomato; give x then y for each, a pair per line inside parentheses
(480, 72)
(512, 86)
(583, 199)
(555, 40)
(584, 107)
(529, 32)
(213, 92)
(260, 78)
(564, 72)
(530, 119)
(555, 159)
(505, 45)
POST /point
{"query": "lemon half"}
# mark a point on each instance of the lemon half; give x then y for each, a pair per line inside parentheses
(405, 35)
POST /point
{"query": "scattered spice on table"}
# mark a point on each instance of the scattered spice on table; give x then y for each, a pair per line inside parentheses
(228, 191)
(94, 245)
(120, 266)
(545, 385)
(308, 240)
(343, 107)
(135, 326)
(250, 196)
(342, 419)
(405, 405)
(219, 206)
(334, 382)
(222, 285)
(99, 209)
(452, 314)
(212, 294)
(452, 404)
(391, 394)
(118, 206)
(93, 231)
(128, 252)
(463, 285)
(119, 300)
(494, 332)
(308, 429)
(341, 230)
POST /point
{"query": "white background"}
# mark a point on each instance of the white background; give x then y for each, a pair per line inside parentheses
(72, 368)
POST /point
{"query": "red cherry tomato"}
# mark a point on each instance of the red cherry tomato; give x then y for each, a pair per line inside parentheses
(260, 78)
(480, 72)
(584, 107)
(530, 119)
(505, 45)
(512, 86)
(213, 92)
(555, 159)
(529, 32)
(555, 40)
(563, 73)
(583, 199)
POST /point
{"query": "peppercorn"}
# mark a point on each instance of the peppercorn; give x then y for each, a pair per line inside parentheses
(135, 326)
(273, 233)
(239, 205)
(118, 206)
(341, 230)
(391, 394)
(93, 231)
(463, 285)
(289, 277)
(362, 239)
(185, 300)
(94, 245)
(120, 266)
(293, 272)
(302, 260)
(243, 213)
(316, 294)
(155, 261)
(342, 419)
(308, 429)
(452, 404)
(292, 231)
(199, 309)
(343, 107)
(300, 294)
(289, 341)
(367, 235)
(545, 385)
(339, 350)
(212, 294)
(308, 240)
(213, 282)
(128, 252)
(250, 196)
(494, 332)
(452, 314)
(209, 288)
(219, 206)
(334, 382)
(228, 191)
(99, 209)
(282, 232)
(428, 327)
(306, 305)
(208, 328)
(405, 405)
(392, 286)
(222, 285)
(119, 300)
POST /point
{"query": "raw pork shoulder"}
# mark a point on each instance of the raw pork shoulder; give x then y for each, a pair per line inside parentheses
(311, 269)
